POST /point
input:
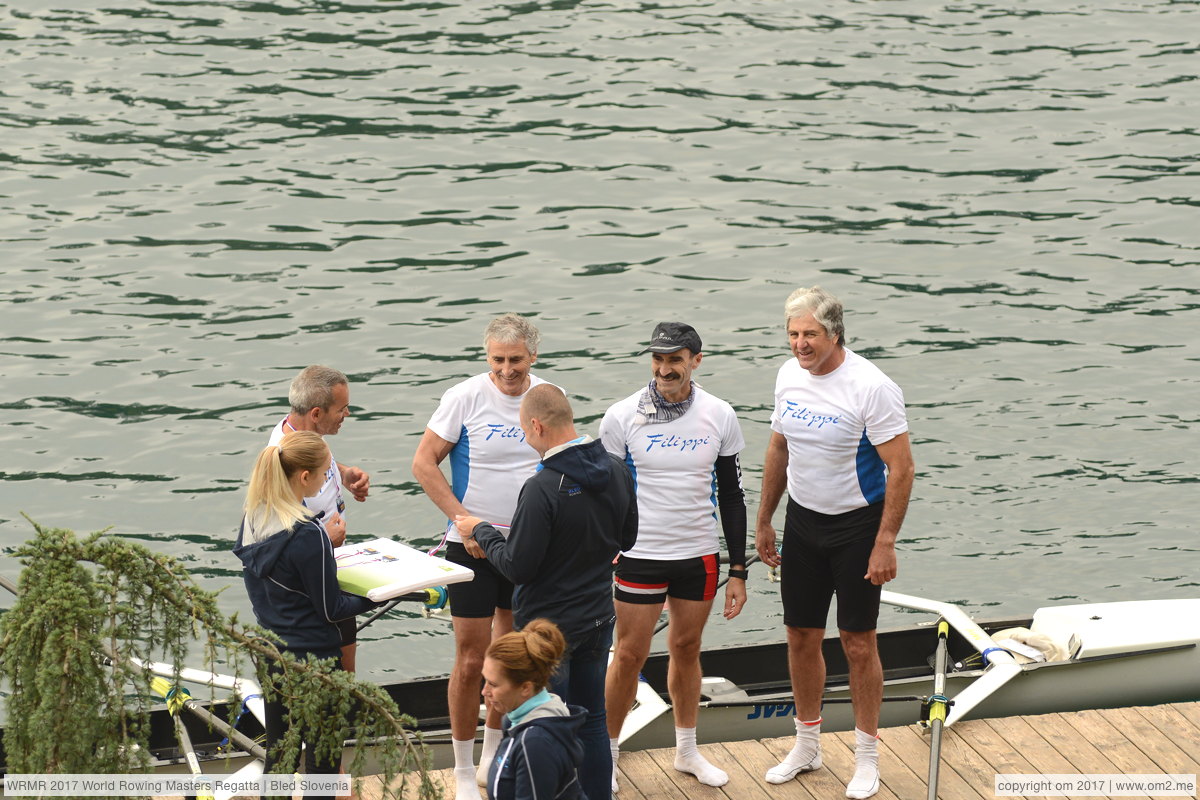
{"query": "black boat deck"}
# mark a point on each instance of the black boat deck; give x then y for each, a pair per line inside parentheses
(1154, 740)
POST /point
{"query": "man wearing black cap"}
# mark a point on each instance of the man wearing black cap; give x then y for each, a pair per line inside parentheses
(681, 444)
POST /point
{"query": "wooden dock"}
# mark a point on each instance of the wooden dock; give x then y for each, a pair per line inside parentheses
(1146, 740)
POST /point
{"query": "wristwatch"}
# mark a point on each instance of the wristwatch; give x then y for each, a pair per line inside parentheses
(739, 572)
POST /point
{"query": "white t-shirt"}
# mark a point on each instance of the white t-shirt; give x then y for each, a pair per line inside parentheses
(329, 499)
(673, 466)
(832, 424)
(490, 460)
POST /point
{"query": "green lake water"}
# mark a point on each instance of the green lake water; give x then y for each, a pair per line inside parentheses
(200, 198)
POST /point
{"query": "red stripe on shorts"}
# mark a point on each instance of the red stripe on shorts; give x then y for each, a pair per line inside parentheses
(711, 570)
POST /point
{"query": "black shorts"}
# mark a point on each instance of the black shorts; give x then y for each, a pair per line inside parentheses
(646, 581)
(827, 554)
(348, 628)
(478, 598)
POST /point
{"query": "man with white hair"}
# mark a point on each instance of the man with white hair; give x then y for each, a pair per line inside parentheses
(477, 425)
(840, 447)
(572, 519)
(320, 402)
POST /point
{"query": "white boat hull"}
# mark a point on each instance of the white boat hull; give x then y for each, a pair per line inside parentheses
(1150, 679)
(1121, 654)
(1125, 654)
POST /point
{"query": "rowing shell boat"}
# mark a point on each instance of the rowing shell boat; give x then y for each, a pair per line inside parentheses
(1098, 655)
(1101, 655)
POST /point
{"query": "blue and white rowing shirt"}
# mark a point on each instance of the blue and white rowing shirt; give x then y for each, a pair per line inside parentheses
(490, 460)
(833, 424)
(673, 467)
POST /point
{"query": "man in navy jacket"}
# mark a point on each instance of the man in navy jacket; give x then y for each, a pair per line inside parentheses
(572, 519)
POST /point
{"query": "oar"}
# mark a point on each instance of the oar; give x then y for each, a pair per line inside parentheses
(177, 697)
(1001, 667)
(667, 621)
(759, 701)
(174, 697)
(938, 705)
(183, 700)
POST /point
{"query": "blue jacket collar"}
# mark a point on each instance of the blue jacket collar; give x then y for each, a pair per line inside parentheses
(517, 714)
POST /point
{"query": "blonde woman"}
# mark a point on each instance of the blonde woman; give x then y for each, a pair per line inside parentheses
(288, 566)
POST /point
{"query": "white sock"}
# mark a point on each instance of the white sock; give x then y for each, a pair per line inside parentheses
(465, 787)
(464, 769)
(491, 741)
(689, 760)
(805, 755)
(615, 746)
(866, 766)
(464, 752)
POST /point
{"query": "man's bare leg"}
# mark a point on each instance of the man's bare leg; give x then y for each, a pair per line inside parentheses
(866, 690)
(635, 629)
(471, 638)
(806, 665)
(683, 682)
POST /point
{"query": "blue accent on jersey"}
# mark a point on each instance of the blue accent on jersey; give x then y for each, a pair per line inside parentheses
(632, 467)
(460, 465)
(868, 464)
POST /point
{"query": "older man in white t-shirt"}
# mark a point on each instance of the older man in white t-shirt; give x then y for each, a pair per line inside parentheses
(320, 402)
(839, 446)
(477, 428)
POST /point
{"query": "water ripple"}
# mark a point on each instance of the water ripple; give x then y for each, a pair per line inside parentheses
(200, 197)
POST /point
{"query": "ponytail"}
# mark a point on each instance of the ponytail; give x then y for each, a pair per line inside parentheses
(271, 504)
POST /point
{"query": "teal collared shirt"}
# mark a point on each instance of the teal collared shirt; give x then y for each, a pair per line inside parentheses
(517, 714)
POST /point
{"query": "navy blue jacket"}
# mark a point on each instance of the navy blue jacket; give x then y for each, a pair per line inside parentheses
(572, 519)
(539, 759)
(291, 578)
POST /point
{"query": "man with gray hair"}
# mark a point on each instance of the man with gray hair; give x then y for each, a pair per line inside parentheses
(320, 401)
(477, 425)
(840, 447)
(572, 519)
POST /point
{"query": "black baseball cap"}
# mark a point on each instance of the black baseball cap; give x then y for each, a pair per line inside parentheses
(671, 336)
